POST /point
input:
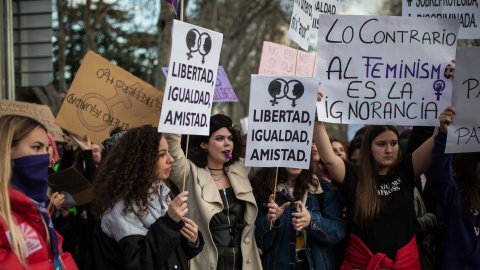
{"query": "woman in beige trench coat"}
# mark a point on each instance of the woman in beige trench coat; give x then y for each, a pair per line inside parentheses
(220, 199)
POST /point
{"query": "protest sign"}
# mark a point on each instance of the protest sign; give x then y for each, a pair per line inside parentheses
(280, 122)
(300, 27)
(384, 70)
(324, 7)
(223, 89)
(464, 133)
(73, 182)
(192, 74)
(41, 113)
(466, 11)
(281, 61)
(103, 96)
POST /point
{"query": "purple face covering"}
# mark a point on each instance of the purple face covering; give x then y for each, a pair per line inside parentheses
(30, 176)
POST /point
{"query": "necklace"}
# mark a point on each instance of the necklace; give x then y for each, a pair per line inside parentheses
(216, 180)
(215, 169)
(216, 174)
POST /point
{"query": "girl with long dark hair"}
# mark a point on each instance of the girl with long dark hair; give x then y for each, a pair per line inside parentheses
(379, 194)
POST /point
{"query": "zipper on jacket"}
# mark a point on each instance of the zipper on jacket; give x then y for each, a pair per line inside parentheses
(229, 223)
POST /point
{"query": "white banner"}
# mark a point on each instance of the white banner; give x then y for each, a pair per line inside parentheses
(301, 22)
(466, 11)
(384, 70)
(280, 121)
(192, 74)
(464, 134)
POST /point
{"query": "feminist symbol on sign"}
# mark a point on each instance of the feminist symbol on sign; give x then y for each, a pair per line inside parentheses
(275, 90)
(197, 42)
(438, 87)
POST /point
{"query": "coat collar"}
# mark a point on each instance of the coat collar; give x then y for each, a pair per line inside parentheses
(237, 174)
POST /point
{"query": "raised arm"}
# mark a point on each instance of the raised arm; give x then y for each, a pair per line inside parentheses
(334, 163)
(421, 157)
(178, 165)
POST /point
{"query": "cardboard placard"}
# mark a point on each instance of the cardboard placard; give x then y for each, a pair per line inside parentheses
(464, 133)
(104, 96)
(41, 113)
(281, 61)
(384, 70)
(73, 182)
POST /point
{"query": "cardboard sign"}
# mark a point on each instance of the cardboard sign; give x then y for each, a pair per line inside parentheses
(300, 27)
(73, 182)
(223, 89)
(466, 11)
(41, 113)
(192, 74)
(280, 121)
(384, 70)
(281, 60)
(104, 96)
(464, 133)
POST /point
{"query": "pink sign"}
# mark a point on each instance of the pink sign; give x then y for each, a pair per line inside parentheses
(223, 89)
(280, 60)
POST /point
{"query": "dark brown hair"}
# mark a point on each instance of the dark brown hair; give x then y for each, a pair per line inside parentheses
(128, 171)
(367, 200)
(198, 155)
(465, 168)
(265, 182)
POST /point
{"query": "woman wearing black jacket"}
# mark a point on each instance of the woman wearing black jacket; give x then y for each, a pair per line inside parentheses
(141, 227)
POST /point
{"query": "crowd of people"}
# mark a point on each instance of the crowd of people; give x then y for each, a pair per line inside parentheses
(382, 201)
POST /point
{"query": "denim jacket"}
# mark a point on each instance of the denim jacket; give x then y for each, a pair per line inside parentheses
(326, 229)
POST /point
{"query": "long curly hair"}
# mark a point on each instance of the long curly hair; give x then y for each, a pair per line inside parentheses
(265, 182)
(198, 155)
(128, 172)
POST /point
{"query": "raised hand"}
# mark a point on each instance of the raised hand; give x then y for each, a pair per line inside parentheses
(446, 118)
(67, 144)
(178, 207)
(84, 144)
(274, 211)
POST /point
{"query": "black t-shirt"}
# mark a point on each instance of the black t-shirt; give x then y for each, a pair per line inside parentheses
(395, 225)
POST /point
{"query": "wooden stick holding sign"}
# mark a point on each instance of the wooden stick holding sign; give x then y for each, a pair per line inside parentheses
(276, 174)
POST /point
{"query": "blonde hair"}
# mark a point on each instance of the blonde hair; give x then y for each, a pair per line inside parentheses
(13, 128)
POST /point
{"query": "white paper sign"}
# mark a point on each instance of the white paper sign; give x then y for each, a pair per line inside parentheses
(466, 11)
(280, 121)
(324, 7)
(384, 70)
(192, 74)
(464, 133)
(301, 22)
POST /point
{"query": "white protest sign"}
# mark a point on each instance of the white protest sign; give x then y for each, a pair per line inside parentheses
(464, 133)
(325, 7)
(384, 70)
(300, 27)
(280, 121)
(192, 74)
(466, 11)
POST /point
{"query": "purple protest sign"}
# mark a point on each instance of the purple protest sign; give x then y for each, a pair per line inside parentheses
(174, 3)
(223, 89)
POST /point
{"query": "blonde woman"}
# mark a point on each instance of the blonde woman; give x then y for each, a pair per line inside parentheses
(27, 237)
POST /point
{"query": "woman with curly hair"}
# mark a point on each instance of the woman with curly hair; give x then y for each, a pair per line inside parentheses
(305, 217)
(27, 237)
(221, 196)
(140, 226)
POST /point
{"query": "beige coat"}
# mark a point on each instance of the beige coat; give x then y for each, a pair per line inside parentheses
(204, 201)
